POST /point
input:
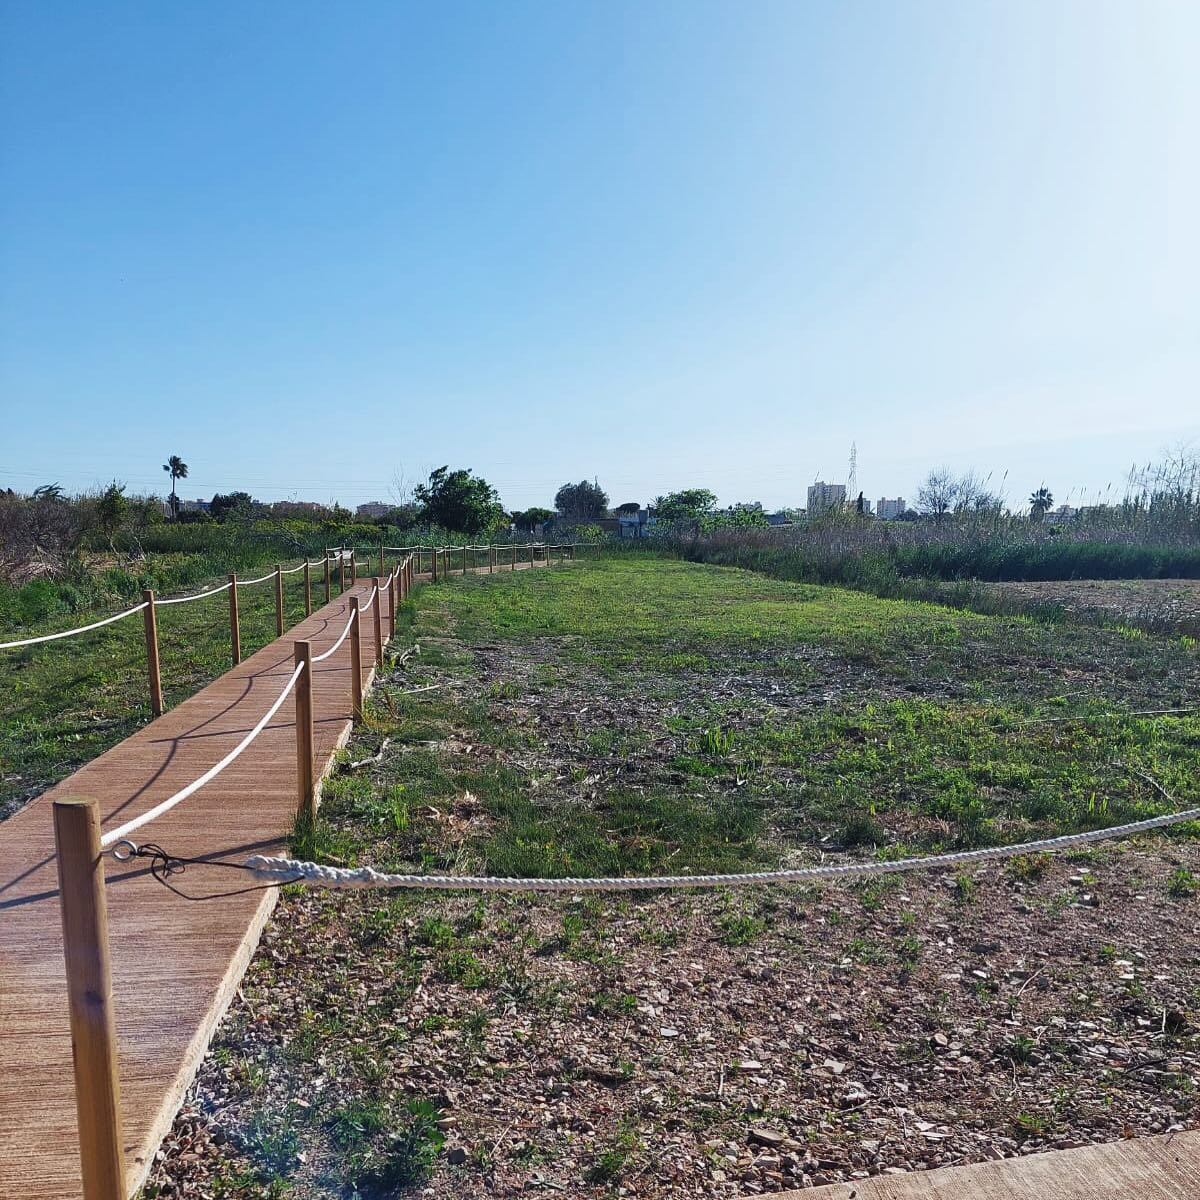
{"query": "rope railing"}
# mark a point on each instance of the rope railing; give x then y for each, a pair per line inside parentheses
(66, 633)
(123, 831)
(259, 579)
(332, 649)
(289, 870)
(197, 596)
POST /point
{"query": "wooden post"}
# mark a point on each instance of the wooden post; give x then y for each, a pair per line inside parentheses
(433, 564)
(378, 608)
(278, 600)
(356, 695)
(341, 573)
(464, 570)
(328, 592)
(235, 625)
(353, 567)
(152, 669)
(89, 997)
(306, 778)
(381, 567)
(392, 603)
(307, 589)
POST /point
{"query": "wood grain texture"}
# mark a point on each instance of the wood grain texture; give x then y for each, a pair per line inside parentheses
(1157, 1168)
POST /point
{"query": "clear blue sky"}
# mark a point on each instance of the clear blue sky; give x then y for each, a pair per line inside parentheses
(311, 247)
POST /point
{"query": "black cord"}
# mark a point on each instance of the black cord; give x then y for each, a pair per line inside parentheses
(163, 865)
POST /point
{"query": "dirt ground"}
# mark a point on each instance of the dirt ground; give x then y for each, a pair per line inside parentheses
(1166, 605)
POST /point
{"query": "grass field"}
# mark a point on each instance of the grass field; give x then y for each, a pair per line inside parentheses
(635, 715)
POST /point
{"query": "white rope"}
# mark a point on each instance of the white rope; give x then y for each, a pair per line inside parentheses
(362, 608)
(322, 657)
(198, 596)
(50, 637)
(260, 579)
(289, 870)
(293, 570)
(123, 831)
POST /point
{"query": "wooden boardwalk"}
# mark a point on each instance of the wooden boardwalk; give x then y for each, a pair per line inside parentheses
(1156, 1168)
(176, 965)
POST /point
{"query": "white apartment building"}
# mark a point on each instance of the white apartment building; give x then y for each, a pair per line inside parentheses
(824, 496)
(889, 510)
(375, 508)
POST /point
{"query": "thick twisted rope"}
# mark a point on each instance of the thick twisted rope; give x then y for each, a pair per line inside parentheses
(291, 870)
(260, 579)
(322, 657)
(51, 637)
(122, 832)
(197, 596)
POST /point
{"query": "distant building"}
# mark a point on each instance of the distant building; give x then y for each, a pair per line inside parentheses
(778, 518)
(889, 510)
(635, 525)
(192, 505)
(825, 496)
(1064, 512)
(375, 508)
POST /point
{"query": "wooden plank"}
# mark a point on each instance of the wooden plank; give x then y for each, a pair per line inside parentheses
(1156, 1168)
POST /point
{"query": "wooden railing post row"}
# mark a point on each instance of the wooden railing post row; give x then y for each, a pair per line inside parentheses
(235, 624)
(278, 600)
(84, 908)
(152, 667)
(307, 589)
(378, 610)
(356, 688)
(306, 777)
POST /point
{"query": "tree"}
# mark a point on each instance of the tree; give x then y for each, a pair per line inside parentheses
(630, 509)
(230, 504)
(1040, 503)
(48, 491)
(939, 493)
(690, 504)
(582, 501)
(459, 501)
(112, 508)
(530, 518)
(177, 469)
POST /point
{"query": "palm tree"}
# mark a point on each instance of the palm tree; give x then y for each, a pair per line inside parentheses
(1040, 503)
(177, 469)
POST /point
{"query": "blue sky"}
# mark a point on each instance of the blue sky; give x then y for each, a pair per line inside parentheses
(313, 248)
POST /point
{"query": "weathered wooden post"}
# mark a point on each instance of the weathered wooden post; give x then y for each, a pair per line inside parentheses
(152, 668)
(278, 600)
(84, 910)
(356, 686)
(342, 568)
(433, 565)
(392, 603)
(328, 591)
(353, 567)
(378, 606)
(306, 778)
(235, 624)
(381, 566)
(472, 552)
(307, 589)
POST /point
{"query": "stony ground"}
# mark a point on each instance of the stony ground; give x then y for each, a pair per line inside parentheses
(682, 1044)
